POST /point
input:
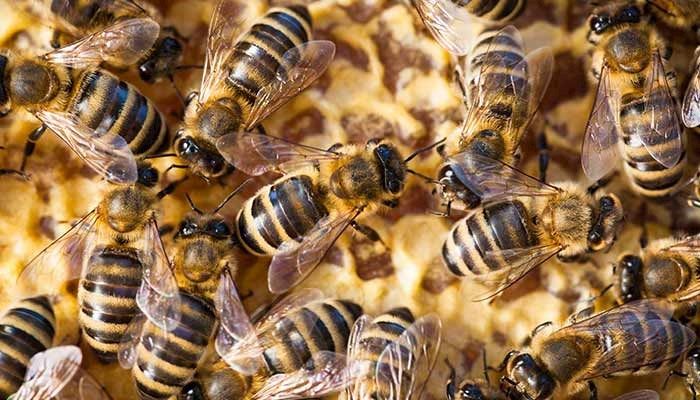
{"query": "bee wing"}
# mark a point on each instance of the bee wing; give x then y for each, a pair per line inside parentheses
(237, 340)
(663, 137)
(70, 249)
(108, 154)
(632, 342)
(355, 347)
(324, 374)
(492, 179)
(691, 101)
(49, 372)
(600, 151)
(224, 30)
(520, 262)
(643, 394)
(123, 43)
(158, 296)
(295, 260)
(287, 304)
(405, 365)
(450, 24)
(127, 345)
(256, 154)
(299, 68)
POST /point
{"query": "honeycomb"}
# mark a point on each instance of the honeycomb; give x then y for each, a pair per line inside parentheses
(389, 79)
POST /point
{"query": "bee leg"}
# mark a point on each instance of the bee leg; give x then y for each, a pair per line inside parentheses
(644, 235)
(486, 366)
(543, 150)
(8, 171)
(674, 373)
(31, 144)
(502, 366)
(261, 129)
(370, 233)
(450, 387)
(190, 97)
(460, 84)
(55, 39)
(593, 389)
(600, 183)
(170, 188)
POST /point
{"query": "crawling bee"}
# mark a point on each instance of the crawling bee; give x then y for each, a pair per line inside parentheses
(77, 19)
(391, 356)
(472, 389)
(56, 374)
(635, 101)
(106, 121)
(246, 78)
(524, 223)
(293, 350)
(502, 89)
(639, 337)
(116, 252)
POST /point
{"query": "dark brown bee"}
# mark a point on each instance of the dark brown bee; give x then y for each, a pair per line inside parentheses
(247, 78)
(473, 389)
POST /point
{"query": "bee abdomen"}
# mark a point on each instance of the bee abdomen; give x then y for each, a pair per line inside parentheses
(25, 330)
(500, 11)
(498, 226)
(112, 106)
(322, 326)
(279, 212)
(107, 297)
(166, 361)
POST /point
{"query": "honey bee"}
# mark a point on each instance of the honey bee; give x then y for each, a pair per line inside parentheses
(525, 222)
(635, 100)
(503, 89)
(56, 374)
(635, 338)
(690, 371)
(451, 21)
(294, 350)
(392, 355)
(247, 78)
(116, 252)
(106, 121)
(473, 389)
(77, 19)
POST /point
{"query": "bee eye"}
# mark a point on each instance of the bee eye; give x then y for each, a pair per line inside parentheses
(146, 71)
(606, 205)
(187, 229)
(629, 14)
(219, 229)
(187, 147)
(600, 23)
(148, 177)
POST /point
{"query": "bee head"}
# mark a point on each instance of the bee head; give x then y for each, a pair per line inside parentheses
(470, 391)
(605, 228)
(526, 377)
(453, 191)
(692, 361)
(201, 158)
(392, 168)
(629, 270)
(204, 238)
(160, 62)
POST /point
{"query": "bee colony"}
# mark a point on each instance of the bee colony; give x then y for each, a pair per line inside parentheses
(294, 199)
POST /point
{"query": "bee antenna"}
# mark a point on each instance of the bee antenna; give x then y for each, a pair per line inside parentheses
(164, 155)
(427, 178)
(231, 195)
(192, 206)
(424, 149)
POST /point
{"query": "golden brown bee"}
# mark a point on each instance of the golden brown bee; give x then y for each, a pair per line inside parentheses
(635, 338)
(502, 89)
(635, 102)
(56, 374)
(294, 350)
(247, 78)
(453, 21)
(524, 223)
(391, 356)
(79, 18)
(105, 120)
(116, 252)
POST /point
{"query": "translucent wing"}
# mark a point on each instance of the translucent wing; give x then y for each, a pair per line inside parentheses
(83, 387)
(450, 24)
(600, 150)
(108, 154)
(325, 374)
(405, 365)
(644, 394)
(299, 68)
(159, 296)
(691, 100)
(224, 30)
(287, 304)
(64, 259)
(123, 43)
(663, 137)
(256, 154)
(519, 262)
(237, 340)
(359, 368)
(295, 261)
(128, 343)
(492, 179)
(49, 372)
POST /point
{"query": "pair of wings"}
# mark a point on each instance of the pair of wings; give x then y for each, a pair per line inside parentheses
(68, 258)
(403, 366)
(449, 23)
(56, 374)
(600, 151)
(641, 332)
(491, 88)
(238, 345)
(299, 66)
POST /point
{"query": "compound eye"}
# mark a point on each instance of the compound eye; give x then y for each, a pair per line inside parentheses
(146, 71)
(187, 147)
(219, 229)
(600, 23)
(187, 229)
(630, 14)
(148, 176)
(606, 204)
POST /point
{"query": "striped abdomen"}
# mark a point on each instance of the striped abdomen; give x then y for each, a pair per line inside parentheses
(109, 105)
(499, 11)
(25, 330)
(257, 55)
(166, 361)
(107, 298)
(504, 225)
(285, 210)
(321, 326)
